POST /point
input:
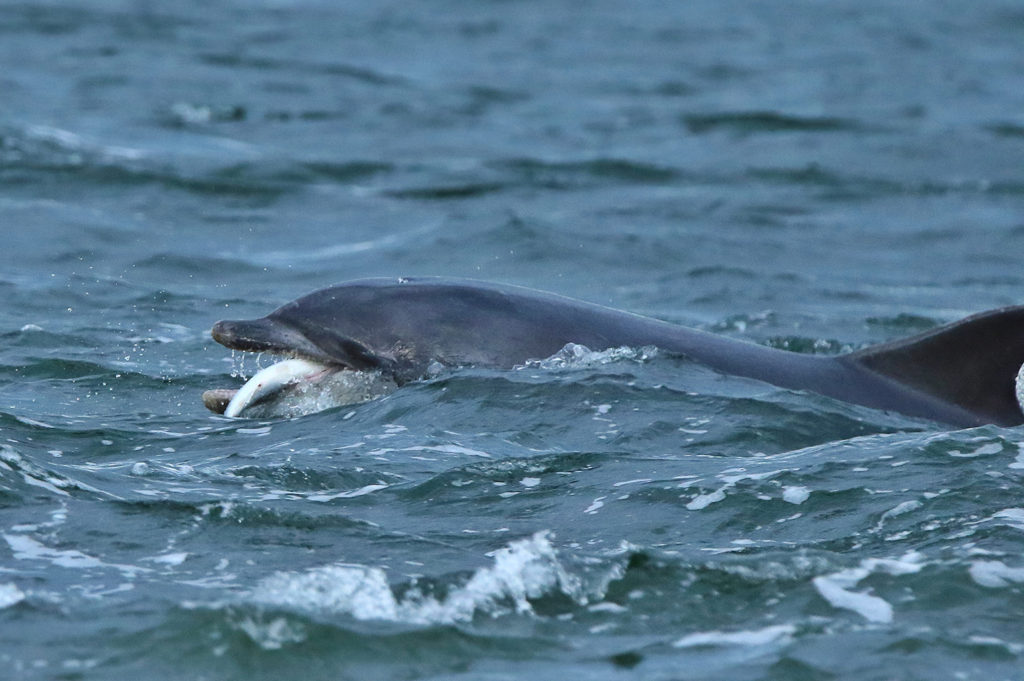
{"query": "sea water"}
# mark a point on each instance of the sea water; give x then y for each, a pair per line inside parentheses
(810, 176)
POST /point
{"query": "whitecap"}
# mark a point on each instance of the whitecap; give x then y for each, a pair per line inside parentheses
(348, 494)
(10, 595)
(994, 574)
(837, 588)
(795, 494)
(522, 570)
(1012, 517)
(273, 634)
(576, 356)
(778, 634)
(26, 548)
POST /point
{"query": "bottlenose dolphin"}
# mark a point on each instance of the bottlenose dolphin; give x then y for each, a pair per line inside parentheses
(967, 373)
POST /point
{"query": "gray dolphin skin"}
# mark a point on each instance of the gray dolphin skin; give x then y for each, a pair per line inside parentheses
(962, 374)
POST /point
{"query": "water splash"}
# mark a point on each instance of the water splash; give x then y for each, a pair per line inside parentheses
(521, 571)
(576, 356)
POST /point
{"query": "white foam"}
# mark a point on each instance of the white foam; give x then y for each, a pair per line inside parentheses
(608, 606)
(449, 449)
(525, 569)
(26, 548)
(348, 494)
(71, 142)
(898, 510)
(986, 449)
(730, 478)
(780, 634)
(273, 635)
(704, 500)
(171, 558)
(1012, 648)
(795, 494)
(362, 592)
(32, 475)
(1008, 517)
(10, 595)
(837, 587)
(576, 356)
(994, 574)
(49, 484)
(872, 608)
(1019, 461)
(433, 449)
(258, 432)
(1013, 517)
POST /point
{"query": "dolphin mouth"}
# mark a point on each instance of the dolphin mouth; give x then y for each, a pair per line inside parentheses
(307, 378)
(303, 363)
(295, 387)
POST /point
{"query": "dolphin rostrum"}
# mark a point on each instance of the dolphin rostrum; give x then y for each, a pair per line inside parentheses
(967, 373)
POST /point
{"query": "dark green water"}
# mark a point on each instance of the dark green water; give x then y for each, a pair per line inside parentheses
(811, 175)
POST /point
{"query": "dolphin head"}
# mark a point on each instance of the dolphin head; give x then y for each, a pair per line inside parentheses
(401, 329)
(334, 346)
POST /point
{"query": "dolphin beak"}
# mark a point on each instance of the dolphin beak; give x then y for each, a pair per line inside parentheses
(268, 335)
(255, 335)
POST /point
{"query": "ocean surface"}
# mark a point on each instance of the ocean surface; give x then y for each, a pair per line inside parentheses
(817, 176)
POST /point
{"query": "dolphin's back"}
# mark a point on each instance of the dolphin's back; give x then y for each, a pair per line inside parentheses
(963, 373)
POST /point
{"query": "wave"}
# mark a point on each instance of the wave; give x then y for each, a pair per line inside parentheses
(32, 153)
(22, 478)
(566, 174)
(350, 71)
(752, 122)
(838, 185)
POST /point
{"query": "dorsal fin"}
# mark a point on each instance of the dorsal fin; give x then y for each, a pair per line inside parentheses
(972, 364)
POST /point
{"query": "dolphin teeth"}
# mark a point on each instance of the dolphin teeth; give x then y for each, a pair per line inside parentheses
(271, 380)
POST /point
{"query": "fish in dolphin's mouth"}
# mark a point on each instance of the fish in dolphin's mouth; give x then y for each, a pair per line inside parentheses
(295, 385)
(266, 383)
